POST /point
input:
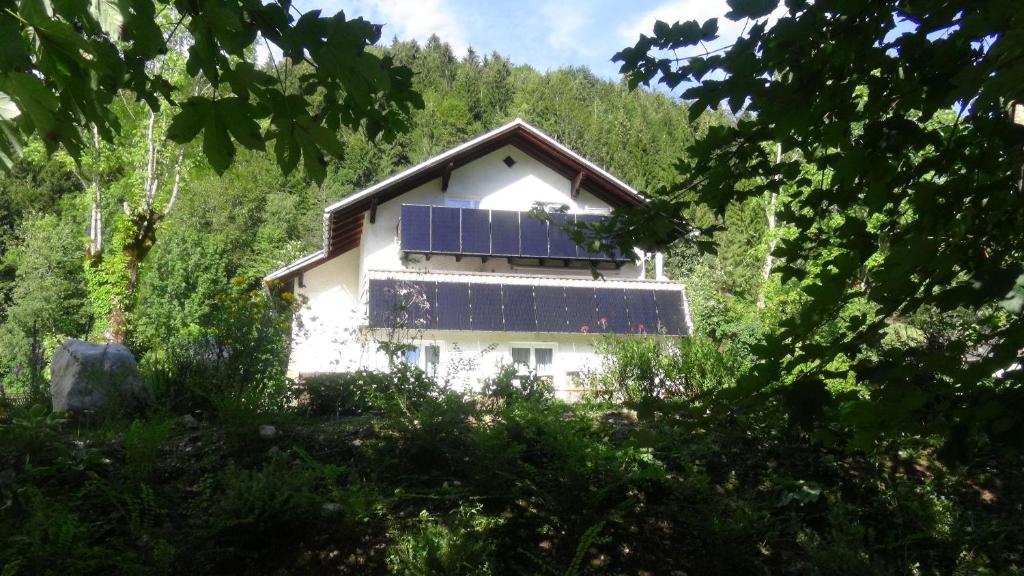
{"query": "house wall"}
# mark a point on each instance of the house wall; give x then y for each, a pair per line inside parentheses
(331, 334)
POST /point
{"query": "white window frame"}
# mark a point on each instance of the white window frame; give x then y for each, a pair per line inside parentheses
(532, 347)
(474, 202)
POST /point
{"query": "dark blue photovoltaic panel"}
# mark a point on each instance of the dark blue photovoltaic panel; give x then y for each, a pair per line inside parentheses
(551, 313)
(582, 250)
(504, 233)
(670, 311)
(611, 310)
(415, 228)
(518, 305)
(582, 310)
(485, 307)
(452, 306)
(444, 230)
(643, 311)
(561, 244)
(420, 302)
(476, 231)
(384, 303)
(534, 237)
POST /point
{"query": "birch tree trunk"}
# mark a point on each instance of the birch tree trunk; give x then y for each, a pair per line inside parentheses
(769, 260)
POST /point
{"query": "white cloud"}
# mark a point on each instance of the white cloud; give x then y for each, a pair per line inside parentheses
(409, 19)
(683, 10)
(565, 22)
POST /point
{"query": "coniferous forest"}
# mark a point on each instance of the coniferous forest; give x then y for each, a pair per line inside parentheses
(842, 200)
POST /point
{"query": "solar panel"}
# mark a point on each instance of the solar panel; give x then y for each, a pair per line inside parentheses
(485, 307)
(582, 311)
(533, 238)
(582, 251)
(643, 311)
(504, 233)
(415, 228)
(562, 246)
(444, 230)
(384, 303)
(518, 305)
(551, 311)
(670, 311)
(476, 231)
(453, 306)
(611, 310)
(420, 303)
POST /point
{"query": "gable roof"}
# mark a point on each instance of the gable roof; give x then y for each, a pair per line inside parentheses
(343, 220)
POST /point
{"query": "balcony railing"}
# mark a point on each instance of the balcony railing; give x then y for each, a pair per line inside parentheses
(494, 307)
(499, 233)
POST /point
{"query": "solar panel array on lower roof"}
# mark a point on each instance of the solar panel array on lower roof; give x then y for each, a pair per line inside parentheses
(491, 307)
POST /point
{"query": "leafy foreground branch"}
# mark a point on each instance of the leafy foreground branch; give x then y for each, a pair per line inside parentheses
(899, 181)
(392, 473)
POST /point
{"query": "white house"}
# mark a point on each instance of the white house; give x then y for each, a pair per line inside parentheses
(445, 257)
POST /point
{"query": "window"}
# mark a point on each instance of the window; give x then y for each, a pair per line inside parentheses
(539, 359)
(427, 357)
(431, 358)
(412, 356)
(461, 203)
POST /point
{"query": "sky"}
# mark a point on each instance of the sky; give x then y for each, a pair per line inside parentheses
(546, 34)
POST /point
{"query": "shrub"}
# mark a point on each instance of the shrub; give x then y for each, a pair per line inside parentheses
(235, 366)
(508, 386)
(637, 369)
(340, 394)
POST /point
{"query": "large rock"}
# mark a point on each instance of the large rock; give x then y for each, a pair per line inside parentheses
(87, 377)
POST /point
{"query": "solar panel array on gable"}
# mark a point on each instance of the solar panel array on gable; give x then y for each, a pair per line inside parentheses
(477, 232)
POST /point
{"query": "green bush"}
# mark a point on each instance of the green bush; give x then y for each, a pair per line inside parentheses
(340, 394)
(638, 369)
(235, 366)
(508, 386)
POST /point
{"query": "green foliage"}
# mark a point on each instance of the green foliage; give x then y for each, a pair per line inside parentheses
(637, 370)
(260, 506)
(902, 191)
(341, 394)
(508, 386)
(142, 443)
(65, 62)
(457, 544)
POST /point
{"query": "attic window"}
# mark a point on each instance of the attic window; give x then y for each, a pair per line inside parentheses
(509, 161)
